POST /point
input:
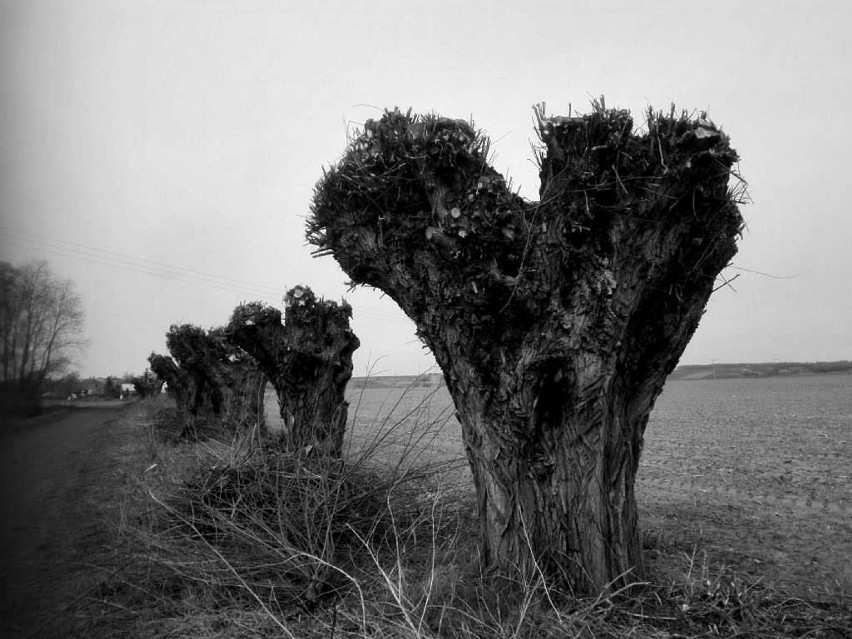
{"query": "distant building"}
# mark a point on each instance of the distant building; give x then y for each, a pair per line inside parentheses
(91, 386)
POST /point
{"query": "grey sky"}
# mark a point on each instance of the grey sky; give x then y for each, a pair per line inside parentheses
(191, 134)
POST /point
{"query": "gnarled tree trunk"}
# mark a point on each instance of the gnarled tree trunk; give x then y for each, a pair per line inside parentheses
(555, 322)
(241, 383)
(308, 360)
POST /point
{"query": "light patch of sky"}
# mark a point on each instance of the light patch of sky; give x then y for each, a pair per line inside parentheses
(192, 133)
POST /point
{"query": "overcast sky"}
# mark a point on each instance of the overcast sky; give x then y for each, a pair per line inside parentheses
(162, 154)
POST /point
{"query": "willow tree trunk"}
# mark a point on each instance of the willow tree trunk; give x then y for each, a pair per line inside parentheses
(245, 391)
(308, 360)
(199, 353)
(556, 322)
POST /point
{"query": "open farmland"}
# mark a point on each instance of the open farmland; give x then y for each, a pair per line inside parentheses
(755, 474)
(759, 473)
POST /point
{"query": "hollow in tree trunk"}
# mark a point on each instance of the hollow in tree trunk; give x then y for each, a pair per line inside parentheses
(555, 322)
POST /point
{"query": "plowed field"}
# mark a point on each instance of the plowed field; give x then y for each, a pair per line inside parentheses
(756, 473)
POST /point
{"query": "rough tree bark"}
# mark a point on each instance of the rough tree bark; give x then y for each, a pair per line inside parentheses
(308, 360)
(555, 322)
(242, 381)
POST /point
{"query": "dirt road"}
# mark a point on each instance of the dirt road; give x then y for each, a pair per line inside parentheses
(62, 480)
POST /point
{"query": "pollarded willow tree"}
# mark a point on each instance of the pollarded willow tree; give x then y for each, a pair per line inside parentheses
(243, 382)
(208, 375)
(555, 322)
(197, 356)
(308, 360)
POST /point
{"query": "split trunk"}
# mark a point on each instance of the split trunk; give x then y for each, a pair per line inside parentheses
(555, 322)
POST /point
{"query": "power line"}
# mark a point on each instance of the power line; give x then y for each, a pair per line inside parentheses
(146, 266)
(170, 274)
(770, 275)
(143, 264)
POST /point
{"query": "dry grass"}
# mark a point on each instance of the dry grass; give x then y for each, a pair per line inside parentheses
(235, 539)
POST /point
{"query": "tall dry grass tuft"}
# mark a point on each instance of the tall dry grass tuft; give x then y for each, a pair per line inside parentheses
(249, 523)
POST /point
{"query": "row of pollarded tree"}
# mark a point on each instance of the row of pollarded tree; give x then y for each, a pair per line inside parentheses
(307, 358)
(555, 322)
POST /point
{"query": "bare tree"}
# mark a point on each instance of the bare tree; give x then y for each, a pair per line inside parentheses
(308, 360)
(41, 322)
(555, 322)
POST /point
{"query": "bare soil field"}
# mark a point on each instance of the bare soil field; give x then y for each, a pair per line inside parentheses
(757, 473)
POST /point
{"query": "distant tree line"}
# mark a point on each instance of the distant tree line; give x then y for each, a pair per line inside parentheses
(763, 369)
(112, 387)
(829, 367)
